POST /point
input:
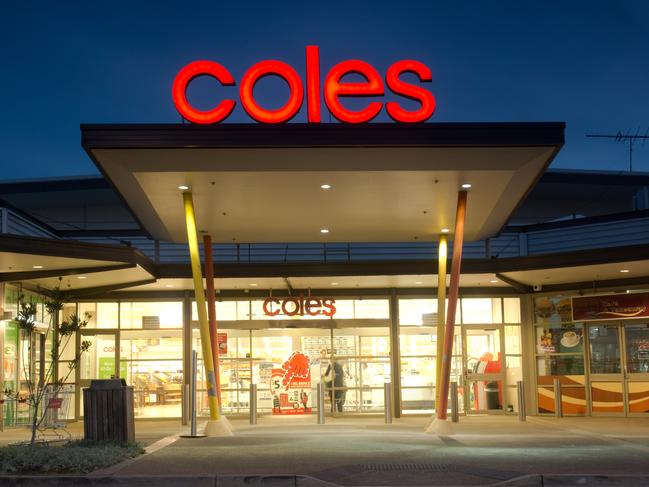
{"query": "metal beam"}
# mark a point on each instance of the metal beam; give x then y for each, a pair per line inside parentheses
(519, 286)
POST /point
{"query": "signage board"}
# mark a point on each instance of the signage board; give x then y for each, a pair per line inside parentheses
(300, 306)
(610, 307)
(334, 89)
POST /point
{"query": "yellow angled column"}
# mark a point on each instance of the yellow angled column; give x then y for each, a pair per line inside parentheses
(218, 427)
(442, 257)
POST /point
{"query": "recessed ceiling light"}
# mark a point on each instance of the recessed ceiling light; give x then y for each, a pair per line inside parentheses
(334, 283)
(445, 230)
(418, 282)
(81, 277)
(37, 266)
(183, 187)
(253, 284)
(466, 185)
(628, 291)
(624, 270)
(169, 285)
(324, 230)
(493, 281)
(325, 186)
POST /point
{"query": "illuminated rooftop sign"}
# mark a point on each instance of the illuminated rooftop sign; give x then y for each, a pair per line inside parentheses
(333, 90)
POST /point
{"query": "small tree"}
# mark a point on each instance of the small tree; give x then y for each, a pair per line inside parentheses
(62, 333)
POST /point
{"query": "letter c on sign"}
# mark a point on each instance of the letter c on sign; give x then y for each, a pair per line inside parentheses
(267, 68)
(267, 310)
(179, 92)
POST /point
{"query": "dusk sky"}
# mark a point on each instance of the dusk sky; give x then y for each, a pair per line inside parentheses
(67, 63)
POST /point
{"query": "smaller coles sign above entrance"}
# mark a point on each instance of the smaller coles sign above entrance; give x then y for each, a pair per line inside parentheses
(333, 88)
(300, 306)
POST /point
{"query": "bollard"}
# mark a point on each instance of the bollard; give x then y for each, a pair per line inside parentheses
(455, 412)
(192, 399)
(558, 407)
(253, 403)
(186, 404)
(520, 392)
(321, 406)
(387, 401)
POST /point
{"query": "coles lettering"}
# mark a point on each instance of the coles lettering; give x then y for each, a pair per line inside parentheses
(299, 306)
(333, 90)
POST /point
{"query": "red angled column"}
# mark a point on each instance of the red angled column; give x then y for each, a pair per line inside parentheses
(211, 309)
(453, 291)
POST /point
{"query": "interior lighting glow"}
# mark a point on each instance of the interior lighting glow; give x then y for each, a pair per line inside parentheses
(324, 230)
(445, 230)
(253, 284)
(81, 277)
(466, 186)
(418, 282)
(183, 187)
(493, 281)
(334, 283)
(169, 285)
(37, 267)
(624, 270)
(325, 186)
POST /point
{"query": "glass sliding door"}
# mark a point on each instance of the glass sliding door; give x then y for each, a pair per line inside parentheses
(605, 369)
(484, 389)
(636, 351)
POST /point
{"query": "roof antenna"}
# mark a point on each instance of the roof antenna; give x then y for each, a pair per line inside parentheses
(620, 137)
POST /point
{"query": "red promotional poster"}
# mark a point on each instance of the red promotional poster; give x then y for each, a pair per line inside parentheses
(222, 342)
(290, 386)
(610, 307)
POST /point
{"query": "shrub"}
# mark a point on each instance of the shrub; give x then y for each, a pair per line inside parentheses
(73, 457)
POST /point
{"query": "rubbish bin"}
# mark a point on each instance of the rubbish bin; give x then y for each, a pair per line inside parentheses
(491, 391)
(108, 411)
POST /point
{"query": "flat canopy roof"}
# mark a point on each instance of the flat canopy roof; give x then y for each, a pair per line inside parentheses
(258, 183)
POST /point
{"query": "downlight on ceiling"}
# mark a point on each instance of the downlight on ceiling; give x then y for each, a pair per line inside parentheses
(183, 187)
(466, 186)
(325, 186)
(324, 230)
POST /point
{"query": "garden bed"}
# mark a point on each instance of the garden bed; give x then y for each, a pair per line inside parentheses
(76, 457)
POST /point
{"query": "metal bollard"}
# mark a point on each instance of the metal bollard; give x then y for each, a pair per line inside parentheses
(192, 399)
(253, 403)
(186, 404)
(520, 394)
(455, 413)
(387, 401)
(558, 407)
(321, 402)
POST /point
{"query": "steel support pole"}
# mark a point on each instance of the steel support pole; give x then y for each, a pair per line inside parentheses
(253, 404)
(453, 292)
(199, 292)
(442, 257)
(211, 310)
(321, 403)
(455, 412)
(192, 393)
(520, 392)
(387, 401)
(558, 407)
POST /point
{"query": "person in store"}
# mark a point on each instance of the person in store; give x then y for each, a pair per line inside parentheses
(335, 376)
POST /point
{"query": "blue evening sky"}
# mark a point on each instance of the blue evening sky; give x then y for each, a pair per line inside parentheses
(71, 62)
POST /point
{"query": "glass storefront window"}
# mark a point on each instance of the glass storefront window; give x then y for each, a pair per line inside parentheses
(637, 348)
(149, 315)
(371, 309)
(513, 340)
(554, 365)
(99, 315)
(514, 369)
(566, 338)
(481, 310)
(512, 308)
(412, 311)
(604, 343)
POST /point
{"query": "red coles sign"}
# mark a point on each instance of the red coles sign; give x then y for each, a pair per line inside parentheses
(334, 90)
(300, 306)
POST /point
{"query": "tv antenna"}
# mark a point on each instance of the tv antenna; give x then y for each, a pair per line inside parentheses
(620, 137)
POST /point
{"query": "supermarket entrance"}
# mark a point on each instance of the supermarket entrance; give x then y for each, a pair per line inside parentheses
(287, 364)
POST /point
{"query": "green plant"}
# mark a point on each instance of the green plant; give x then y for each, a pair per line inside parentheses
(49, 384)
(73, 457)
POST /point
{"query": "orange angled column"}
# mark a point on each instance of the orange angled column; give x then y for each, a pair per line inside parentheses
(211, 310)
(453, 291)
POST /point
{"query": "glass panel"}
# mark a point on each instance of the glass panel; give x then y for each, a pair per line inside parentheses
(636, 339)
(604, 349)
(412, 311)
(151, 316)
(107, 315)
(573, 400)
(485, 395)
(567, 338)
(99, 361)
(551, 366)
(483, 351)
(638, 397)
(157, 387)
(607, 397)
(371, 309)
(481, 310)
(513, 340)
(512, 310)
(514, 369)
(88, 312)
(225, 310)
